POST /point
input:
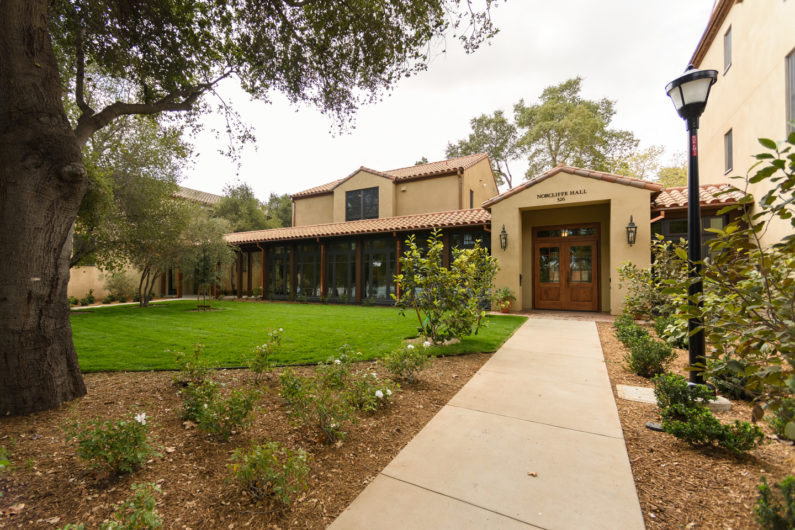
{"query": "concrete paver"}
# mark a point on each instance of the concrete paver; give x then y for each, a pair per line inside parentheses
(533, 440)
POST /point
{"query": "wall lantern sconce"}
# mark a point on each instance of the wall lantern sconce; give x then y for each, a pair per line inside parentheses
(632, 232)
(503, 238)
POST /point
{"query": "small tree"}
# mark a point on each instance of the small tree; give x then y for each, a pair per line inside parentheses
(205, 251)
(447, 300)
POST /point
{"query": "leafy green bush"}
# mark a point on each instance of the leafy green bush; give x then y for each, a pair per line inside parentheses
(261, 361)
(257, 292)
(73, 301)
(137, 513)
(336, 372)
(109, 299)
(407, 361)
(672, 330)
(224, 417)
(271, 472)
(685, 416)
(446, 300)
(367, 394)
(647, 357)
(193, 368)
(776, 512)
(196, 398)
(89, 298)
(627, 331)
(313, 404)
(121, 285)
(782, 421)
(728, 376)
(121, 446)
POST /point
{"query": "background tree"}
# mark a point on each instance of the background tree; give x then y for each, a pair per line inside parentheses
(496, 136)
(205, 252)
(564, 128)
(675, 174)
(279, 210)
(423, 160)
(241, 209)
(131, 153)
(643, 164)
(333, 55)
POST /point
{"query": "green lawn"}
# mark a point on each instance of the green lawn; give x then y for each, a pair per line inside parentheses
(131, 338)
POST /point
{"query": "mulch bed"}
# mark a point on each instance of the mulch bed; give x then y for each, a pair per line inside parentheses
(680, 486)
(56, 487)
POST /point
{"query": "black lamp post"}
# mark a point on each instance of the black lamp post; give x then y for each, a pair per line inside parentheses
(689, 94)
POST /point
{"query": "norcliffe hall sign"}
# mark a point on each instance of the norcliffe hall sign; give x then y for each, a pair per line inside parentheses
(560, 196)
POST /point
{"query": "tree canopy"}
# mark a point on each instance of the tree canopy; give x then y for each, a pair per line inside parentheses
(565, 128)
(494, 135)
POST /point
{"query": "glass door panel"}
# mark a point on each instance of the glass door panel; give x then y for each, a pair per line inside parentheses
(581, 264)
(549, 264)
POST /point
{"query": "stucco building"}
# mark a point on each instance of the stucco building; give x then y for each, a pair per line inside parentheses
(752, 46)
(565, 232)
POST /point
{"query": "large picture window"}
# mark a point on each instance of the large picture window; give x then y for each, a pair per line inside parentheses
(341, 271)
(379, 270)
(361, 204)
(279, 273)
(307, 271)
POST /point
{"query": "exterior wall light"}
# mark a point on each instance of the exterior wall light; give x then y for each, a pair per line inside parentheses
(689, 94)
(632, 232)
(503, 238)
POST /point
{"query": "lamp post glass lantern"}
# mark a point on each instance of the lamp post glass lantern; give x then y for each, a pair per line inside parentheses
(689, 93)
(632, 232)
(503, 238)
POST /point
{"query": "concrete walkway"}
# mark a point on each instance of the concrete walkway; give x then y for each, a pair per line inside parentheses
(533, 440)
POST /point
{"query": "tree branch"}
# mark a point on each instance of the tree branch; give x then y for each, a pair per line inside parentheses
(81, 73)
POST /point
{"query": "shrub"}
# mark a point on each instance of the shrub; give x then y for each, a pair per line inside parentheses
(730, 379)
(89, 298)
(503, 298)
(196, 397)
(257, 292)
(315, 405)
(672, 330)
(446, 299)
(137, 513)
(73, 300)
(686, 417)
(407, 362)
(776, 512)
(260, 361)
(121, 285)
(647, 357)
(224, 417)
(782, 420)
(121, 446)
(193, 369)
(367, 394)
(271, 472)
(108, 299)
(627, 331)
(336, 372)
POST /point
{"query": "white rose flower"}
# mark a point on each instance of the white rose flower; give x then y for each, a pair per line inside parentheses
(410, 347)
(379, 394)
(426, 344)
(205, 405)
(375, 376)
(141, 418)
(388, 392)
(280, 330)
(337, 361)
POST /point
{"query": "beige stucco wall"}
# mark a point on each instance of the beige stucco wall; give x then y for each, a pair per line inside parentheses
(81, 279)
(438, 194)
(480, 179)
(750, 97)
(609, 203)
(363, 179)
(314, 210)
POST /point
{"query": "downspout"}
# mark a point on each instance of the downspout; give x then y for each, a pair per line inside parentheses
(660, 218)
(460, 172)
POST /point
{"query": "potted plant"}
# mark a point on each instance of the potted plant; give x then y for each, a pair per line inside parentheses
(503, 298)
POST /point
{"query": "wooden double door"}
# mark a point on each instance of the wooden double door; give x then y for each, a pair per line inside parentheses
(566, 267)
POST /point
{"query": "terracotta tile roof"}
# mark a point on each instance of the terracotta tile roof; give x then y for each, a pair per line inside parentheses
(719, 13)
(676, 198)
(403, 174)
(202, 197)
(598, 175)
(436, 168)
(406, 223)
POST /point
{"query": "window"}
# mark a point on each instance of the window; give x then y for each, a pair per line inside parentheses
(727, 50)
(791, 92)
(471, 199)
(727, 150)
(361, 204)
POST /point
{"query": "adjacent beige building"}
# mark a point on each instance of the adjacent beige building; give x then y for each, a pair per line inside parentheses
(752, 46)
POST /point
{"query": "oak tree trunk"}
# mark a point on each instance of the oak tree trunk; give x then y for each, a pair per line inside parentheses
(42, 181)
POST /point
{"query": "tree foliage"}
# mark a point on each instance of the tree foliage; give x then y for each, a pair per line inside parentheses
(494, 135)
(205, 252)
(279, 210)
(564, 128)
(447, 300)
(241, 209)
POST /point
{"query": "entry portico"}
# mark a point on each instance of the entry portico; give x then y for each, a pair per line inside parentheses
(567, 235)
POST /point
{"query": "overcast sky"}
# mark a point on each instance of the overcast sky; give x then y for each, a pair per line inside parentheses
(625, 50)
